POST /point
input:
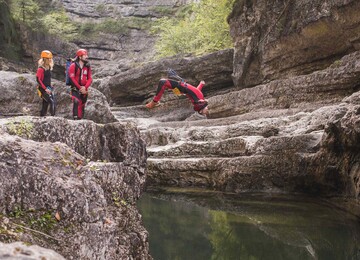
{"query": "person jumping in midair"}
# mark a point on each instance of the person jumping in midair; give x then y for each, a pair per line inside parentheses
(181, 87)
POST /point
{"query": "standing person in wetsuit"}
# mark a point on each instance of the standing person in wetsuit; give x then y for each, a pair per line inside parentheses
(80, 76)
(43, 77)
(181, 87)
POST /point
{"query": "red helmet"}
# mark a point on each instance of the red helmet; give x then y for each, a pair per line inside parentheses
(200, 105)
(46, 54)
(81, 52)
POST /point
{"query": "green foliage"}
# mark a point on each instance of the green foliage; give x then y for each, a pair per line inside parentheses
(100, 8)
(204, 29)
(118, 201)
(45, 222)
(27, 11)
(9, 42)
(36, 15)
(21, 128)
(58, 23)
(47, 17)
(184, 11)
(138, 23)
(163, 10)
(112, 26)
(93, 168)
(18, 212)
(66, 158)
(116, 27)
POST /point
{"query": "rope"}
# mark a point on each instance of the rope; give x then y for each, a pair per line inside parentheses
(35, 231)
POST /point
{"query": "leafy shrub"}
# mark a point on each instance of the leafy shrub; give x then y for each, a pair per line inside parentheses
(21, 128)
(28, 12)
(203, 30)
(112, 26)
(36, 16)
(58, 23)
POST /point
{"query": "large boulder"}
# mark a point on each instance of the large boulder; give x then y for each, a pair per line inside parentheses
(19, 96)
(140, 83)
(278, 39)
(20, 251)
(65, 200)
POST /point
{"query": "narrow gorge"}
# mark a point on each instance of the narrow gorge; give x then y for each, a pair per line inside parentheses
(284, 119)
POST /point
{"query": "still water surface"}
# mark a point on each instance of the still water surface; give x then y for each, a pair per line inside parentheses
(199, 225)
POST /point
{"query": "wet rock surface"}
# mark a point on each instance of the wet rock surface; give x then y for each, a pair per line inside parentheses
(284, 136)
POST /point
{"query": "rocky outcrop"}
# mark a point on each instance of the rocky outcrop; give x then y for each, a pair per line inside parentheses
(124, 41)
(8, 65)
(337, 162)
(19, 96)
(74, 200)
(140, 83)
(279, 39)
(114, 8)
(304, 92)
(277, 151)
(33, 42)
(19, 251)
(133, 43)
(275, 137)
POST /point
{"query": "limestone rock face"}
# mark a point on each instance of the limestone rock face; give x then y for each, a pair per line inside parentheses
(339, 156)
(140, 83)
(115, 8)
(132, 44)
(316, 89)
(279, 39)
(20, 251)
(83, 209)
(19, 96)
(285, 150)
(8, 65)
(297, 134)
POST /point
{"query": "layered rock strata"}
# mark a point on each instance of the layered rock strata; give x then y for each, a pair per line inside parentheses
(280, 39)
(293, 135)
(140, 83)
(72, 186)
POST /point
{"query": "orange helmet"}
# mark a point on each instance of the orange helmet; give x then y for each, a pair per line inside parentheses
(46, 54)
(81, 52)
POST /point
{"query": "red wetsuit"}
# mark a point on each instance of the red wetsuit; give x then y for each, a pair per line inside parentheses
(193, 93)
(80, 77)
(43, 77)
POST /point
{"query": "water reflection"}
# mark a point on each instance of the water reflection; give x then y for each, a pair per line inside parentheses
(219, 226)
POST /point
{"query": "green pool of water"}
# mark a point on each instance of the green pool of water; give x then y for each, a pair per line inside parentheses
(197, 225)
